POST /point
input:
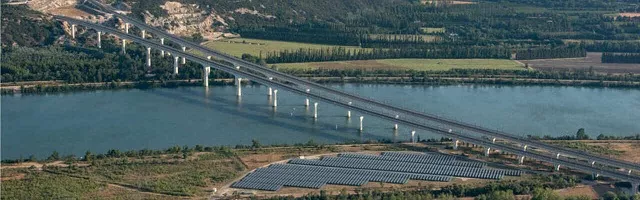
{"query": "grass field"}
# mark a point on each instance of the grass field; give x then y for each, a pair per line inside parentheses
(416, 64)
(238, 46)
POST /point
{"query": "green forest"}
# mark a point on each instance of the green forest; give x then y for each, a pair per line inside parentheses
(35, 47)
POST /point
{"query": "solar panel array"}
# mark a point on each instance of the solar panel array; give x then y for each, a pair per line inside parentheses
(430, 159)
(359, 169)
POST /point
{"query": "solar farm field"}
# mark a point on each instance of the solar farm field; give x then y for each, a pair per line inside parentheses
(352, 169)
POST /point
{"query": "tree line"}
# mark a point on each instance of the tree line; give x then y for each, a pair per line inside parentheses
(620, 57)
(612, 46)
(342, 53)
(78, 64)
(544, 53)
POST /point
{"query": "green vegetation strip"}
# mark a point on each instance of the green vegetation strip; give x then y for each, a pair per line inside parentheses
(415, 64)
(256, 47)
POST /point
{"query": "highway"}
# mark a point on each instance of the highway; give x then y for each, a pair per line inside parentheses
(401, 112)
(376, 112)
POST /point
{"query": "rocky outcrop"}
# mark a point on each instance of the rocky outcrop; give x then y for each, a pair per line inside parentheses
(46, 5)
(187, 19)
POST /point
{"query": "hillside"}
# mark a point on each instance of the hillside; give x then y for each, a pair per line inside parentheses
(22, 26)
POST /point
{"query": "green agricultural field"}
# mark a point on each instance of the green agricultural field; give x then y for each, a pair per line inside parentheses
(416, 64)
(238, 46)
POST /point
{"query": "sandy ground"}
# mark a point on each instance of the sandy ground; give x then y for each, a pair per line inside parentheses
(592, 59)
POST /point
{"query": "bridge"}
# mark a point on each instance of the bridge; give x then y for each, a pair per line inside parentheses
(422, 121)
(593, 159)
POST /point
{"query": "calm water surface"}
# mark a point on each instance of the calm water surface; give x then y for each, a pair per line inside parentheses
(159, 118)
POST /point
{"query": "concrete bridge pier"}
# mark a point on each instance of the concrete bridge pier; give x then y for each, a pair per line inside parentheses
(205, 76)
(235, 82)
(349, 112)
(184, 60)
(629, 172)
(361, 118)
(144, 34)
(521, 157)
(493, 140)
(413, 136)
(558, 156)
(126, 28)
(149, 57)
(556, 167)
(487, 151)
(124, 46)
(162, 51)
(395, 127)
(99, 39)
(270, 90)
(315, 110)
(175, 64)
(595, 175)
(275, 98)
(306, 100)
(239, 93)
(593, 163)
(455, 144)
(73, 31)
(520, 160)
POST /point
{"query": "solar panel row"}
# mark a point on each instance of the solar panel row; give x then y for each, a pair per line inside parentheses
(403, 167)
(441, 160)
(306, 169)
(417, 156)
(409, 157)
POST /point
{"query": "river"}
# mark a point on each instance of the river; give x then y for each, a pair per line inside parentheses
(72, 123)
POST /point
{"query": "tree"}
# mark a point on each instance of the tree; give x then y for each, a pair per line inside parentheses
(580, 135)
(88, 156)
(610, 196)
(199, 148)
(54, 156)
(601, 137)
(255, 144)
(545, 194)
(497, 195)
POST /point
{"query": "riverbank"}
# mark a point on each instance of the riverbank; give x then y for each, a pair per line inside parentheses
(35, 87)
(207, 171)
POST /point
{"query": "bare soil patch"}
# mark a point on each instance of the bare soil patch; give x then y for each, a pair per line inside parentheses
(631, 151)
(630, 14)
(582, 190)
(14, 177)
(593, 59)
(69, 12)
